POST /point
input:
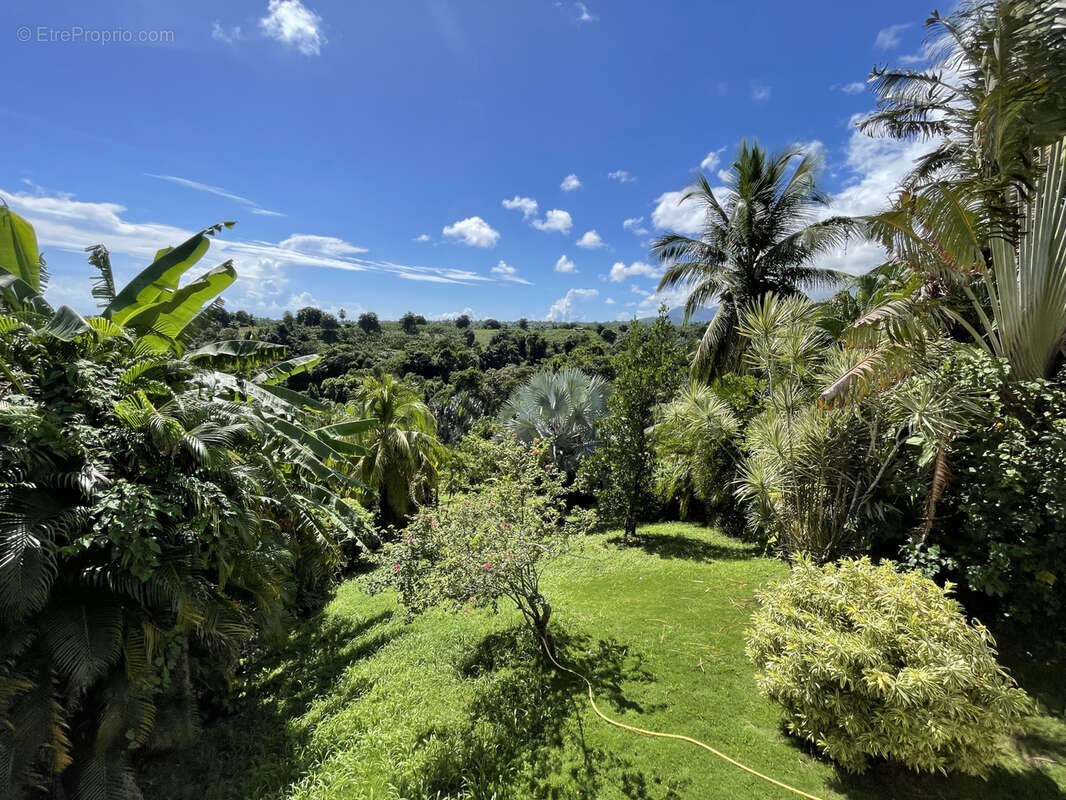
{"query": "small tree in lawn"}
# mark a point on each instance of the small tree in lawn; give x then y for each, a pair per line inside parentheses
(491, 544)
(649, 366)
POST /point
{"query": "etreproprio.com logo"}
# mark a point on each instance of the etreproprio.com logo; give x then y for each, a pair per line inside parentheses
(77, 34)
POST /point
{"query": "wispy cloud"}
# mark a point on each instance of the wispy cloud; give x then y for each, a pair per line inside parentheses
(295, 25)
(229, 34)
(712, 159)
(621, 175)
(635, 225)
(855, 87)
(583, 13)
(65, 223)
(505, 272)
(216, 190)
(889, 38)
(619, 272)
(760, 91)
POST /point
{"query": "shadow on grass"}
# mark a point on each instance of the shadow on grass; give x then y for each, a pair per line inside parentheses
(676, 545)
(255, 752)
(526, 735)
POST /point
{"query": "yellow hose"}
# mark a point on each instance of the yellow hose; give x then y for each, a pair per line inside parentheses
(661, 735)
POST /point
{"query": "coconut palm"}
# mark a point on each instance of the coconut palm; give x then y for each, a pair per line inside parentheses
(560, 408)
(400, 465)
(761, 235)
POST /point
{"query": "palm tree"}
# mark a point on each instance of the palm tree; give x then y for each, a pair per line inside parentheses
(402, 448)
(562, 409)
(982, 212)
(760, 237)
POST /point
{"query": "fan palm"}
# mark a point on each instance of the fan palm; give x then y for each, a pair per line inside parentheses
(763, 236)
(560, 408)
(402, 450)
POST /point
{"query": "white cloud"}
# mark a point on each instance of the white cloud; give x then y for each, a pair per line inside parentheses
(855, 87)
(634, 224)
(320, 245)
(713, 159)
(216, 190)
(527, 205)
(590, 240)
(564, 264)
(889, 38)
(445, 316)
(292, 23)
(570, 182)
(228, 35)
(619, 272)
(621, 175)
(555, 220)
(671, 214)
(423, 237)
(473, 231)
(724, 175)
(760, 91)
(63, 223)
(583, 13)
(506, 272)
(566, 308)
(609, 301)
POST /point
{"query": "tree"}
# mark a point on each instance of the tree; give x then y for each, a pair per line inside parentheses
(142, 544)
(309, 316)
(462, 321)
(523, 323)
(400, 464)
(492, 324)
(756, 240)
(649, 366)
(561, 409)
(977, 213)
(409, 323)
(368, 323)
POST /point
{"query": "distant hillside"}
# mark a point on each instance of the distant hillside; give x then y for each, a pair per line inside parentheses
(676, 315)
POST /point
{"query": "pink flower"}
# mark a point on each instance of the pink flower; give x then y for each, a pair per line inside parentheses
(434, 523)
(409, 539)
(488, 565)
(397, 567)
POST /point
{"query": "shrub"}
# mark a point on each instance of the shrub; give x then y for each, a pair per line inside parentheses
(870, 662)
(1004, 519)
(488, 545)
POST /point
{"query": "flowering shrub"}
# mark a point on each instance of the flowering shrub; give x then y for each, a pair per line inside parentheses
(870, 662)
(490, 544)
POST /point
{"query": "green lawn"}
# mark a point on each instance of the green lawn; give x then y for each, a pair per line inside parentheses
(361, 705)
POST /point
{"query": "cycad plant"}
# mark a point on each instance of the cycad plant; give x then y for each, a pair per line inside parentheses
(763, 236)
(561, 409)
(156, 513)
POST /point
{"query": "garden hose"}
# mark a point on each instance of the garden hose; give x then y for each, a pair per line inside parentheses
(661, 735)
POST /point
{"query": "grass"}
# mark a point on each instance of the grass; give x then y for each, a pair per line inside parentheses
(360, 704)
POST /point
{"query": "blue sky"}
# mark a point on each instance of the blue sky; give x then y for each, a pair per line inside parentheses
(366, 148)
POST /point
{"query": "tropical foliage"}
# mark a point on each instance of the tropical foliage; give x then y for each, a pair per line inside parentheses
(649, 368)
(490, 545)
(560, 408)
(870, 663)
(762, 236)
(143, 540)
